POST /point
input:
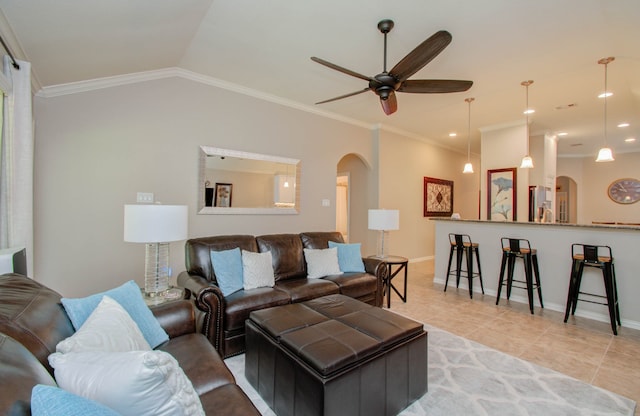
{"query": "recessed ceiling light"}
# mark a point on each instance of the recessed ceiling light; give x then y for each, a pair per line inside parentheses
(605, 94)
(453, 134)
(566, 106)
(630, 140)
(563, 133)
(625, 124)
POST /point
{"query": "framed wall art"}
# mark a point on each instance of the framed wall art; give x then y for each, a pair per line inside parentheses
(501, 194)
(223, 194)
(438, 197)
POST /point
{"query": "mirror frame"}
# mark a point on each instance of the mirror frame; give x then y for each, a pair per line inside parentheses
(206, 151)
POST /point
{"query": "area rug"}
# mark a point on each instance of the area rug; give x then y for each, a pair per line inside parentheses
(468, 378)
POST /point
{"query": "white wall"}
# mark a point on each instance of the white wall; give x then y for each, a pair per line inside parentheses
(503, 147)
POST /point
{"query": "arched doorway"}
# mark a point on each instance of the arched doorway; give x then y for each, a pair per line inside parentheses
(566, 200)
(352, 199)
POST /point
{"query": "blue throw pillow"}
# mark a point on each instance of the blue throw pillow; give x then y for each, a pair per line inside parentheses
(53, 401)
(129, 296)
(227, 265)
(349, 257)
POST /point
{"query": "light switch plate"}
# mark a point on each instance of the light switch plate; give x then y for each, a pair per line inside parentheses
(145, 197)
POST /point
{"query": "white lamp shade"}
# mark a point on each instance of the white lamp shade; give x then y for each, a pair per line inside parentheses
(155, 223)
(468, 168)
(527, 162)
(605, 155)
(384, 219)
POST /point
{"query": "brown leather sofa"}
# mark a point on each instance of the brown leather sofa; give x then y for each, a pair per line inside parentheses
(33, 321)
(225, 316)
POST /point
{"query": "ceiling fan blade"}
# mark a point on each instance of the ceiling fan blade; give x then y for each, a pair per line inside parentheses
(421, 55)
(434, 86)
(344, 96)
(390, 105)
(341, 69)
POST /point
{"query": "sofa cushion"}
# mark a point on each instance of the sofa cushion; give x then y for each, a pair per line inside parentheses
(321, 262)
(242, 303)
(257, 270)
(349, 256)
(31, 314)
(320, 239)
(198, 252)
(227, 265)
(132, 383)
(129, 296)
(20, 369)
(109, 328)
(286, 250)
(355, 285)
(304, 289)
(53, 401)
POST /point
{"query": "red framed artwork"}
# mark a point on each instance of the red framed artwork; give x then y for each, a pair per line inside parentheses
(438, 197)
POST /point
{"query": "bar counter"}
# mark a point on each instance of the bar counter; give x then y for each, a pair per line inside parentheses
(553, 242)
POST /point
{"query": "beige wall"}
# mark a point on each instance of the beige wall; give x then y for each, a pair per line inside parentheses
(404, 163)
(96, 149)
(593, 180)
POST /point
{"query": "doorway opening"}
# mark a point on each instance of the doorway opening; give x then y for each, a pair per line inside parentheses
(342, 205)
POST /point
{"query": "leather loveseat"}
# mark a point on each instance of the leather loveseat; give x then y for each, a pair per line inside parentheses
(33, 321)
(225, 316)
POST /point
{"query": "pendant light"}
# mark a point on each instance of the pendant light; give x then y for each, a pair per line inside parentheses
(605, 154)
(468, 167)
(527, 162)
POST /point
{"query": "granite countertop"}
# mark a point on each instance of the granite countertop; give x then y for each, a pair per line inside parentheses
(616, 226)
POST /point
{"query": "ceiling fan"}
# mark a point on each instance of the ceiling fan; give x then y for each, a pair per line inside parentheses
(387, 83)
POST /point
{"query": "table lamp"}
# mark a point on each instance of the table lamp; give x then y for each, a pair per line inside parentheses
(383, 220)
(156, 225)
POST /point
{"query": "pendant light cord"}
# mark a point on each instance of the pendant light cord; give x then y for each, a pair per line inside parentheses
(606, 92)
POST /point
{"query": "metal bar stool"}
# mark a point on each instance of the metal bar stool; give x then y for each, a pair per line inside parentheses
(512, 249)
(461, 244)
(601, 258)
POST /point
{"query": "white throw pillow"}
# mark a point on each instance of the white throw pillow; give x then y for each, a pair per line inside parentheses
(135, 383)
(321, 262)
(257, 270)
(109, 328)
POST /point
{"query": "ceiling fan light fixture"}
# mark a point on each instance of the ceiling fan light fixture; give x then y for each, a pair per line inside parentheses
(605, 154)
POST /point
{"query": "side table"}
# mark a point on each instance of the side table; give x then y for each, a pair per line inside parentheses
(401, 264)
(174, 293)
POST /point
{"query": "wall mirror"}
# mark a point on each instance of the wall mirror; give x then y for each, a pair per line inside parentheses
(235, 182)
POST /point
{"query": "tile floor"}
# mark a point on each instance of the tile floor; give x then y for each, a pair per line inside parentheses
(582, 348)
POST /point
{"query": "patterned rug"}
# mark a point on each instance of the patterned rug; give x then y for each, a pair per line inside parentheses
(468, 378)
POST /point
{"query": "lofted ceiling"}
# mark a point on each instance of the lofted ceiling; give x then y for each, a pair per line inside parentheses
(266, 45)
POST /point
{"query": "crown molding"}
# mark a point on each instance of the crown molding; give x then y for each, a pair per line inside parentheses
(174, 72)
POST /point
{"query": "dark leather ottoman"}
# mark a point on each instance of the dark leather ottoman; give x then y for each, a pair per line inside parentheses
(335, 356)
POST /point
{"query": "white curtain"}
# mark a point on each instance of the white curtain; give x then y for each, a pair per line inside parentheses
(16, 162)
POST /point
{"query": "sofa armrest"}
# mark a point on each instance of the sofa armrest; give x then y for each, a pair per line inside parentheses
(176, 318)
(379, 269)
(208, 298)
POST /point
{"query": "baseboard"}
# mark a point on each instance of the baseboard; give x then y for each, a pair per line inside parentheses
(600, 317)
